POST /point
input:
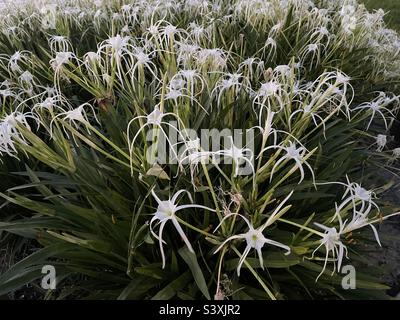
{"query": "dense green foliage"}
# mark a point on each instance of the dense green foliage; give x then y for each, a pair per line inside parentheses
(391, 7)
(82, 82)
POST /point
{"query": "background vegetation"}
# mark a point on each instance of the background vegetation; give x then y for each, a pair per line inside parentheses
(392, 9)
(78, 194)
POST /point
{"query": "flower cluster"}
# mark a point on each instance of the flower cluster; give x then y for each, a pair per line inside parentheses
(289, 75)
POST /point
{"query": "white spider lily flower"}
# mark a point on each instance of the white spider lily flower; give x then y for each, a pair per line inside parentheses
(355, 194)
(186, 53)
(130, 13)
(92, 61)
(4, 93)
(117, 17)
(269, 96)
(91, 58)
(347, 10)
(50, 103)
(166, 211)
(282, 71)
(251, 66)
(201, 6)
(199, 32)
(396, 153)
(269, 49)
(51, 91)
(332, 237)
(381, 141)
(193, 155)
(312, 47)
(234, 81)
(359, 220)
(176, 91)
(254, 237)
(311, 53)
(59, 44)
(16, 117)
(126, 8)
(9, 132)
(239, 157)
(143, 60)
(269, 89)
(118, 46)
(254, 240)
(349, 24)
(125, 29)
(321, 34)
(343, 80)
(308, 110)
(154, 118)
(6, 141)
(292, 152)
(15, 59)
(26, 78)
(177, 83)
(75, 117)
(61, 58)
(27, 82)
(13, 62)
(191, 150)
(211, 59)
(173, 93)
(376, 107)
(153, 29)
(170, 32)
(191, 78)
(335, 87)
(276, 29)
(194, 159)
(333, 245)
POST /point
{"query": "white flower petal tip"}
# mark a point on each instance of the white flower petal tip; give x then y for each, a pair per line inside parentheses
(166, 211)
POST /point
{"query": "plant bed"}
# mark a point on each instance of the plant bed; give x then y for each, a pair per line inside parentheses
(197, 150)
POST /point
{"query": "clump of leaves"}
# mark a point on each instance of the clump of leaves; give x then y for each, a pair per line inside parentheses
(90, 99)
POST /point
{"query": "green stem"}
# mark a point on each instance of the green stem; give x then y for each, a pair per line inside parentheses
(301, 226)
(255, 274)
(195, 229)
(212, 193)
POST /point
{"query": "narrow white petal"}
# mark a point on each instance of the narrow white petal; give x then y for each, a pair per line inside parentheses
(188, 206)
(233, 214)
(182, 234)
(155, 196)
(376, 234)
(260, 257)
(324, 267)
(160, 241)
(178, 193)
(242, 258)
(240, 236)
(278, 244)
